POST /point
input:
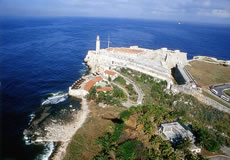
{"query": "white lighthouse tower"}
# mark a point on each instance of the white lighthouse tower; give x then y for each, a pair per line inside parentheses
(98, 45)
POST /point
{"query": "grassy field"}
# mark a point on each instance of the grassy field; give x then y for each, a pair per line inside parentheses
(227, 92)
(207, 74)
(83, 144)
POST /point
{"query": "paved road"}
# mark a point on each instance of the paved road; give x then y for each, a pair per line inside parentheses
(226, 150)
(220, 91)
(138, 90)
(128, 103)
(219, 158)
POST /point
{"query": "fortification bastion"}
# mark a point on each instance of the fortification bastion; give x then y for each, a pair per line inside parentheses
(157, 63)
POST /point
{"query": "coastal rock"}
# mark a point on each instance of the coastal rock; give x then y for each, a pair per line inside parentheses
(211, 60)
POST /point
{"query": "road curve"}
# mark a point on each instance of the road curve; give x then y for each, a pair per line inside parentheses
(219, 91)
(138, 90)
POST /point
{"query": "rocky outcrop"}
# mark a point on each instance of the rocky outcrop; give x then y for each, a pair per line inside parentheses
(211, 60)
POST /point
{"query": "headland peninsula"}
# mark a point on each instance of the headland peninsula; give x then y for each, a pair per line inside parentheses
(139, 103)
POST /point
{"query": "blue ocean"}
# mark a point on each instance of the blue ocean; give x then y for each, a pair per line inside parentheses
(44, 56)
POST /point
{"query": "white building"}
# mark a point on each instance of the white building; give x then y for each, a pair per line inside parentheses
(194, 149)
(175, 132)
(98, 45)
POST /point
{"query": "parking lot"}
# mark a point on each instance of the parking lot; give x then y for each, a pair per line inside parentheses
(218, 90)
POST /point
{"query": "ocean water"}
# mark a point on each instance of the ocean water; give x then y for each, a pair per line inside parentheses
(40, 56)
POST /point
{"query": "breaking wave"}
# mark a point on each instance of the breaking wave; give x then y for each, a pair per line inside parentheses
(83, 70)
(55, 98)
(27, 140)
(32, 116)
(47, 152)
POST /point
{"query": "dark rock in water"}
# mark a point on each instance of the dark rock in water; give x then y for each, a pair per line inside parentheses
(51, 114)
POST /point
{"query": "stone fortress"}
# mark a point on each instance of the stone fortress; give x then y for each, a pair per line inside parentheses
(156, 63)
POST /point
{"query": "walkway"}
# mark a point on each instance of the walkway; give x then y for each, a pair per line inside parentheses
(138, 90)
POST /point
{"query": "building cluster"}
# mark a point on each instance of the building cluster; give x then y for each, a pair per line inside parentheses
(156, 63)
(175, 132)
(82, 87)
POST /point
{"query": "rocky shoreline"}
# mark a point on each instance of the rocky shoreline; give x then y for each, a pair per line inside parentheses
(45, 128)
(211, 60)
(70, 130)
(59, 152)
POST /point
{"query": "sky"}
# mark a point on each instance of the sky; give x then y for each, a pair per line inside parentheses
(211, 11)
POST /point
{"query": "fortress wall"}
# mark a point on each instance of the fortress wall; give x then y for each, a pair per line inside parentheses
(152, 64)
(172, 59)
(103, 60)
(143, 63)
(160, 73)
(181, 76)
(77, 92)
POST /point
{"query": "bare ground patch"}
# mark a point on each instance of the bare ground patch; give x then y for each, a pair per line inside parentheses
(207, 74)
(83, 144)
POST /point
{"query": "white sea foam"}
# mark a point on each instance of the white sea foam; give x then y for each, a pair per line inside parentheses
(27, 140)
(55, 98)
(83, 70)
(47, 152)
(32, 116)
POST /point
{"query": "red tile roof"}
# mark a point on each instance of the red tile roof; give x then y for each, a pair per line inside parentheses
(91, 83)
(104, 89)
(125, 50)
(111, 73)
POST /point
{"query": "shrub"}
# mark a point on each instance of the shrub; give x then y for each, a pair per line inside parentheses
(125, 115)
(117, 131)
(120, 80)
(126, 150)
(212, 145)
(92, 93)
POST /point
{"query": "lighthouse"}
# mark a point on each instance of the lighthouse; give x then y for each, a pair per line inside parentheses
(98, 45)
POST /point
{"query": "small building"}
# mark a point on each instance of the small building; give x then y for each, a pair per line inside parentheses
(104, 89)
(175, 132)
(194, 149)
(92, 82)
(111, 74)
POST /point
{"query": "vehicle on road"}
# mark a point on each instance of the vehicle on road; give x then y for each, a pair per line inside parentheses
(224, 98)
(214, 91)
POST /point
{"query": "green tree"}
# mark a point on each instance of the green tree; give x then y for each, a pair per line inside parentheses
(184, 144)
(92, 93)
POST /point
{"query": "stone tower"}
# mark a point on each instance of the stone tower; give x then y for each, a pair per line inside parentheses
(97, 45)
